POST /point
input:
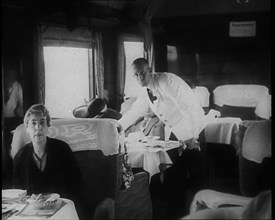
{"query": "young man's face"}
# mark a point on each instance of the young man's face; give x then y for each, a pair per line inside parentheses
(142, 73)
(37, 128)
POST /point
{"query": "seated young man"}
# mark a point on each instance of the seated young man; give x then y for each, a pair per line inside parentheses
(45, 165)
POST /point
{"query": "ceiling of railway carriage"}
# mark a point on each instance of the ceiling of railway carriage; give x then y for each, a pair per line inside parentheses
(118, 11)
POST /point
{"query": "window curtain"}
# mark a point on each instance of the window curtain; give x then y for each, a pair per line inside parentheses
(160, 53)
(121, 71)
(4, 153)
(148, 46)
(99, 64)
(39, 67)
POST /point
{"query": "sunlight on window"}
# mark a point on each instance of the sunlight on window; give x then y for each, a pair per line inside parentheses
(172, 54)
(172, 59)
(133, 50)
(66, 79)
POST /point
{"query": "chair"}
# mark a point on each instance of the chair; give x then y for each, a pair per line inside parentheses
(135, 202)
(209, 204)
(222, 161)
(245, 168)
(221, 167)
(203, 95)
(238, 100)
(100, 175)
(254, 142)
(255, 156)
(263, 108)
(105, 210)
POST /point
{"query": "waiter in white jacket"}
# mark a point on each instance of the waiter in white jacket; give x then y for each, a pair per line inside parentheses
(175, 104)
(171, 99)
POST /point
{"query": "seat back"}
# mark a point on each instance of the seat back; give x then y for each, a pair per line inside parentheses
(238, 100)
(105, 210)
(95, 144)
(263, 108)
(203, 95)
(135, 202)
(255, 157)
(99, 178)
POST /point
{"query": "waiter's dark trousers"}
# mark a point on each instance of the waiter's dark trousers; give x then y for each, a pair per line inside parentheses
(183, 179)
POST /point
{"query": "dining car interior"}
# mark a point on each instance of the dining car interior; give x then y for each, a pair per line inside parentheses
(136, 109)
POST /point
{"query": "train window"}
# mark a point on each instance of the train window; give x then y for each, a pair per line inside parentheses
(66, 79)
(172, 58)
(133, 50)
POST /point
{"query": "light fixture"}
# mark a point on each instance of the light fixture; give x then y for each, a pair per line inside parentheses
(242, 1)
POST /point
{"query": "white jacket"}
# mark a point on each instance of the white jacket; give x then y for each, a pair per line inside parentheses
(176, 106)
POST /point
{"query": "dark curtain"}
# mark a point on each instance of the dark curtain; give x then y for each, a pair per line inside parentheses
(4, 159)
(99, 64)
(160, 49)
(120, 71)
(148, 46)
(39, 67)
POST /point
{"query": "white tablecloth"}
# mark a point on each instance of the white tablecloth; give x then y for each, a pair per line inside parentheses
(150, 155)
(221, 130)
(67, 212)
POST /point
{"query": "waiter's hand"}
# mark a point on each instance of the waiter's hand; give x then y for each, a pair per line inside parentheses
(145, 123)
(214, 113)
(119, 128)
(189, 144)
(192, 144)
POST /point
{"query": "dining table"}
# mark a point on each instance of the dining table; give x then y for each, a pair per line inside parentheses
(222, 130)
(150, 153)
(18, 207)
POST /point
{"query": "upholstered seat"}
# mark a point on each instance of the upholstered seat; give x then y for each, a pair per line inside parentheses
(135, 202)
(238, 100)
(255, 157)
(253, 143)
(203, 95)
(100, 175)
(209, 204)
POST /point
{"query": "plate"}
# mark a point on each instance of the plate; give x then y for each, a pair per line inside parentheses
(6, 208)
(43, 197)
(13, 194)
(152, 137)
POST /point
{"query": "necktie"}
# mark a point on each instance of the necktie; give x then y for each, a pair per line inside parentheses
(151, 96)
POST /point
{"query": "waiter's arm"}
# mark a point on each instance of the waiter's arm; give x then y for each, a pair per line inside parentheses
(138, 109)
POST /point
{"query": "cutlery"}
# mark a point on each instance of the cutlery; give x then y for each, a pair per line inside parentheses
(9, 214)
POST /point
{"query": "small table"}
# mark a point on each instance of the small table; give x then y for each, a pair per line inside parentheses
(150, 154)
(67, 212)
(221, 130)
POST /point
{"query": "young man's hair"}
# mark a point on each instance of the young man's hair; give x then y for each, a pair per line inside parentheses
(37, 109)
